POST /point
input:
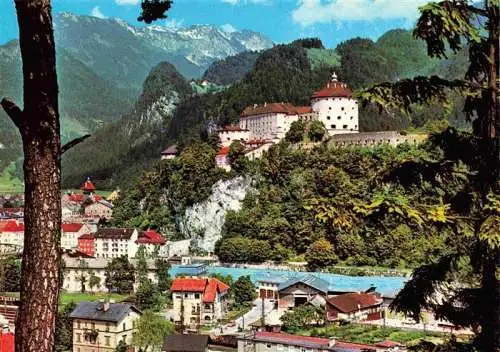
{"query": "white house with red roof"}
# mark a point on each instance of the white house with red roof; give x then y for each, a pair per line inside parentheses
(12, 233)
(222, 159)
(153, 241)
(100, 208)
(198, 301)
(229, 134)
(70, 233)
(354, 306)
(336, 107)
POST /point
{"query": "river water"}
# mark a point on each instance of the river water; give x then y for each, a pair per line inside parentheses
(387, 286)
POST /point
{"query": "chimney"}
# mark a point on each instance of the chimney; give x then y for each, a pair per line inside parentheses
(265, 104)
(105, 307)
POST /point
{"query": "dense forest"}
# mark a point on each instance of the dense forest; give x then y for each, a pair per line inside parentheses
(288, 73)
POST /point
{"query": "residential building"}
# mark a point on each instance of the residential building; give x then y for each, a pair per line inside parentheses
(300, 290)
(263, 341)
(6, 341)
(170, 153)
(354, 306)
(198, 301)
(86, 244)
(88, 187)
(100, 326)
(101, 208)
(153, 241)
(222, 159)
(229, 134)
(186, 343)
(336, 107)
(270, 121)
(267, 286)
(70, 232)
(93, 266)
(115, 242)
(12, 233)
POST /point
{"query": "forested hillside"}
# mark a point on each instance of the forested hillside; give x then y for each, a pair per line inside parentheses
(231, 69)
(284, 73)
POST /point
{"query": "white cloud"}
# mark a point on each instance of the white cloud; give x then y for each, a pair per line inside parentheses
(310, 12)
(96, 12)
(126, 2)
(174, 23)
(231, 2)
(228, 28)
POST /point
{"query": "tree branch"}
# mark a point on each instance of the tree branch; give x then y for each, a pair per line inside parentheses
(13, 111)
(74, 142)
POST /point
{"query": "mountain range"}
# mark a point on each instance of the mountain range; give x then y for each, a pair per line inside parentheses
(102, 64)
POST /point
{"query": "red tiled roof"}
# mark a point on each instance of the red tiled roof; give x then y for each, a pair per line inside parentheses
(317, 342)
(214, 286)
(88, 186)
(7, 342)
(223, 151)
(13, 226)
(86, 236)
(79, 198)
(388, 344)
(351, 302)
(333, 89)
(209, 287)
(232, 128)
(303, 110)
(151, 237)
(268, 108)
(188, 285)
(71, 227)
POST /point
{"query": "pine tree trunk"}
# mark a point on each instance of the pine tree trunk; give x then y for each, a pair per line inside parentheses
(38, 125)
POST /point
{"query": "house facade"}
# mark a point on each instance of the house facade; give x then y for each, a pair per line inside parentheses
(115, 242)
(101, 208)
(300, 290)
(100, 326)
(153, 242)
(229, 134)
(70, 232)
(222, 159)
(170, 153)
(86, 244)
(356, 306)
(198, 301)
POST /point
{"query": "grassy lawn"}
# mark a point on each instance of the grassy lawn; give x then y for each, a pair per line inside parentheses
(77, 297)
(237, 312)
(8, 183)
(369, 334)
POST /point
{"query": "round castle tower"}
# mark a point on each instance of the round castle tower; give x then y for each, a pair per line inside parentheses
(336, 108)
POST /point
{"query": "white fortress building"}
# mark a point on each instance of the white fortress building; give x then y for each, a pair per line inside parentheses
(336, 108)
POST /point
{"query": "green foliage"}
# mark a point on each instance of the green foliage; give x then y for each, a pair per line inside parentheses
(162, 275)
(148, 296)
(243, 291)
(10, 274)
(236, 156)
(320, 255)
(120, 275)
(302, 317)
(153, 10)
(94, 281)
(121, 347)
(296, 132)
(316, 131)
(243, 250)
(152, 329)
(231, 69)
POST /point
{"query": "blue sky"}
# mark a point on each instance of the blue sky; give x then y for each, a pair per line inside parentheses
(281, 20)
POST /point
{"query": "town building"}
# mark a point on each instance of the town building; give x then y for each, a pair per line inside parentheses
(100, 208)
(370, 139)
(229, 134)
(115, 242)
(263, 341)
(88, 188)
(222, 159)
(100, 326)
(9, 307)
(300, 290)
(354, 306)
(153, 242)
(186, 343)
(70, 232)
(73, 271)
(12, 233)
(6, 341)
(336, 107)
(86, 244)
(170, 153)
(198, 301)
(267, 286)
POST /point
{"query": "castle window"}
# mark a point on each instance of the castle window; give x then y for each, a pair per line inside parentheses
(344, 127)
(356, 126)
(329, 108)
(342, 108)
(338, 117)
(328, 117)
(352, 117)
(333, 126)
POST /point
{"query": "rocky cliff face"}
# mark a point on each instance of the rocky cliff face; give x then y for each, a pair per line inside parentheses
(204, 221)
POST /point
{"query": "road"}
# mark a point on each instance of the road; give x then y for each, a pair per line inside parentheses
(248, 318)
